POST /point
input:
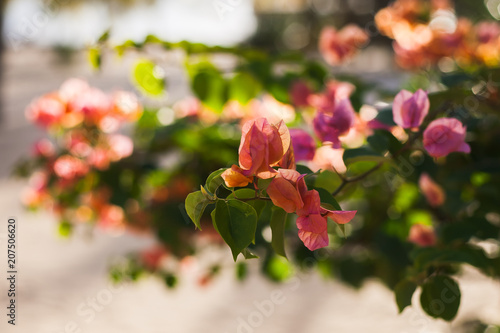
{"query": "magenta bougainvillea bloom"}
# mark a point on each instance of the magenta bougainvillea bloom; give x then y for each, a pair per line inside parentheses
(303, 144)
(433, 193)
(444, 136)
(422, 235)
(409, 110)
(330, 124)
(46, 111)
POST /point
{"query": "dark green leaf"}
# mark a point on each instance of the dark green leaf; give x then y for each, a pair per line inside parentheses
(236, 222)
(278, 221)
(362, 154)
(211, 88)
(327, 198)
(440, 297)
(214, 181)
(249, 254)
(241, 271)
(404, 291)
(196, 203)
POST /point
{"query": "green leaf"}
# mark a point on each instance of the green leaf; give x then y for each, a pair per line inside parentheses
(196, 203)
(236, 222)
(214, 180)
(302, 169)
(95, 57)
(65, 229)
(241, 271)
(440, 297)
(248, 193)
(327, 198)
(277, 223)
(211, 88)
(104, 37)
(249, 254)
(147, 78)
(278, 269)
(362, 154)
(385, 116)
(404, 291)
(243, 87)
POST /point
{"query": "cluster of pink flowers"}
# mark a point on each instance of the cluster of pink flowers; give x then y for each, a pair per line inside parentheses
(85, 120)
(337, 46)
(441, 137)
(419, 43)
(264, 146)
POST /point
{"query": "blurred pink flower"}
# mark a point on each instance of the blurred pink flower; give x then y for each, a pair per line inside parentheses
(422, 235)
(328, 158)
(126, 106)
(332, 123)
(43, 148)
(69, 167)
(431, 190)
(99, 159)
(444, 136)
(120, 146)
(299, 93)
(111, 217)
(92, 103)
(409, 110)
(71, 88)
(46, 111)
(338, 46)
(304, 146)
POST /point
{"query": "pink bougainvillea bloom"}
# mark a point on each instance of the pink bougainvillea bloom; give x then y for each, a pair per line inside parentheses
(69, 167)
(187, 107)
(92, 103)
(99, 159)
(409, 110)
(334, 92)
(303, 144)
(111, 217)
(431, 190)
(339, 46)
(327, 158)
(312, 220)
(43, 148)
(299, 93)
(46, 111)
(120, 146)
(422, 235)
(444, 136)
(286, 190)
(262, 146)
(487, 31)
(336, 122)
(233, 177)
(71, 88)
(126, 106)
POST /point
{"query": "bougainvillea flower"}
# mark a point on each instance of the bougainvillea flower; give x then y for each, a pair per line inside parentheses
(431, 190)
(43, 148)
(444, 136)
(422, 235)
(299, 93)
(334, 92)
(126, 106)
(312, 220)
(286, 190)
(92, 103)
(234, 177)
(327, 158)
(303, 144)
(409, 110)
(338, 46)
(46, 111)
(262, 146)
(328, 126)
(69, 167)
(120, 146)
